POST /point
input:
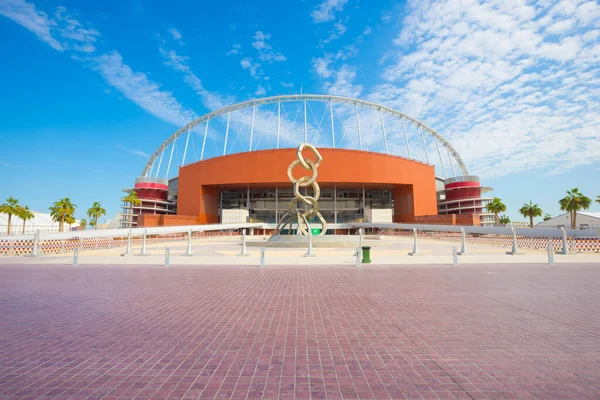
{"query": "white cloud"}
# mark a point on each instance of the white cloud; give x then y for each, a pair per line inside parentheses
(260, 91)
(179, 63)
(138, 88)
(343, 84)
(287, 84)
(234, 50)
(346, 52)
(561, 26)
(7, 164)
(26, 15)
(63, 32)
(175, 34)
(254, 68)
(367, 31)
(325, 11)
(132, 151)
(321, 66)
(260, 39)
(338, 31)
(563, 51)
(513, 85)
(78, 37)
(265, 52)
(591, 36)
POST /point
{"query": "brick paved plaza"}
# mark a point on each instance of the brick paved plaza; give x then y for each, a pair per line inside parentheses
(478, 332)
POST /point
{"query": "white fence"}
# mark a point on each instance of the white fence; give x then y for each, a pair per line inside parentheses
(17, 229)
(54, 242)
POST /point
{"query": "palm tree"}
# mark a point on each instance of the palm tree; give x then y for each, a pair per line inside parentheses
(10, 208)
(69, 219)
(598, 199)
(496, 206)
(93, 223)
(531, 210)
(83, 223)
(95, 212)
(504, 220)
(61, 210)
(574, 201)
(132, 199)
(547, 217)
(25, 214)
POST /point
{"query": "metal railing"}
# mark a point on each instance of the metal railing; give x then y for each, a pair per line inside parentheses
(149, 179)
(17, 229)
(55, 242)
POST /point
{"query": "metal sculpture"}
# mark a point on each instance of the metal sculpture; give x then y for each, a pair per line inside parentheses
(293, 213)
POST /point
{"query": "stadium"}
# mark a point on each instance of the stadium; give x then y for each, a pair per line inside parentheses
(379, 165)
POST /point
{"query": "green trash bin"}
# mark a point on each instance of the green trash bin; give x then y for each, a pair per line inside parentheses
(366, 254)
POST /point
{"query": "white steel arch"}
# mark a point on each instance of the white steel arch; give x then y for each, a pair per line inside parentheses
(330, 100)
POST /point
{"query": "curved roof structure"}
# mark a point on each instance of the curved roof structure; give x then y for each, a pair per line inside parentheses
(324, 120)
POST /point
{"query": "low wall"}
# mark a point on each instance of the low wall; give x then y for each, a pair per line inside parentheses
(449, 219)
(152, 221)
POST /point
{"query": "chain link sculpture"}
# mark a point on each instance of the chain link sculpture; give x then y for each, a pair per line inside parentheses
(294, 214)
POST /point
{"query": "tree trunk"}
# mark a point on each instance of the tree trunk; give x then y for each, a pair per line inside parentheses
(23, 227)
(95, 223)
(9, 218)
(571, 215)
(130, 215)
(497, 220)
(531, 221)
(60, 224)
(574, 220)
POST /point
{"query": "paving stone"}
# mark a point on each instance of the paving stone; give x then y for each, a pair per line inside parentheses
(329, 332)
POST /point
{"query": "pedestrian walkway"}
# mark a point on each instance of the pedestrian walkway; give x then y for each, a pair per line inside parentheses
(476, 332)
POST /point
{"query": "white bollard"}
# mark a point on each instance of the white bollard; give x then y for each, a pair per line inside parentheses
(454, 256)
(309, 252)
(361, 238)
(167, 256)
(262, 257)
(36, 238)
(550, 250)
(463, 249)
(244, 251)
(128, 249)
(188, 252)
(415, 251)
(515, 248)
(144, 251)
(75, 256)
(358, 256)
(565, 246)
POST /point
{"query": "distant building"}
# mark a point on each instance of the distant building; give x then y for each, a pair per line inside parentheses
(585, 220)
(463, 195)
(113, 223)
(40, 221)
(519, 224)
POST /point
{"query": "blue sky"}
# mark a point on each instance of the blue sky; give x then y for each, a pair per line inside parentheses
(89, 89)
